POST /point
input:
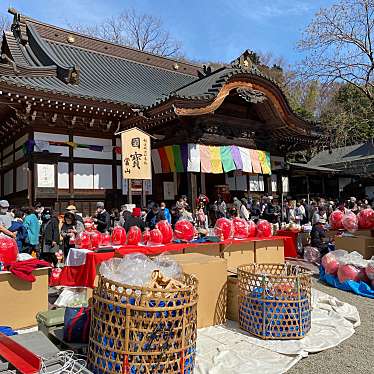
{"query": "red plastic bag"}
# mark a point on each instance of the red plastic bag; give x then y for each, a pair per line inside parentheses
(350, 222)
(366, 219)
(166, 231)
(263, 229)
(54, 278)
(119, 236)
(349, 272)
(224, 228)
(134, 235)
(106, 240)
(155, 237)
(146, 236)
(336, 219)
(8, 250)
(240, 228)
(95, 238)
(252, 229)
(330, 263)
(83, 240)
(184, 230)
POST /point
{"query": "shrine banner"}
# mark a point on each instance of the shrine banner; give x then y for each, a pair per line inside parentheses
(136, 154)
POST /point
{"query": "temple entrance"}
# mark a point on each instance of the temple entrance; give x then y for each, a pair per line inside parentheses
(212, 181)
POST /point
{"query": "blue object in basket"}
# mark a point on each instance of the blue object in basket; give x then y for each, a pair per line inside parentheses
(8, 331)
(359, 288)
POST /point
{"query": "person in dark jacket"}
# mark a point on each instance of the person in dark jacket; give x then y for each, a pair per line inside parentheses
(153, 216)
(318, 237)
(18, 227)
(71, 227)
(50, 237)
(135, 220)
(102, 218)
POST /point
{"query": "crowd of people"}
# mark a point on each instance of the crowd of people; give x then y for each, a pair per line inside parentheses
(39, 231)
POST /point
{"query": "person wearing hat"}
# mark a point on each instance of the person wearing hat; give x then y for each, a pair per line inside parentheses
(73, 209)
(6, 219)
(102, 218)
(135, 220)
(318, 236)
(243, 212)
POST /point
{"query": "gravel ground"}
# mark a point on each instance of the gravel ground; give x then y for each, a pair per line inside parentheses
(354, 355)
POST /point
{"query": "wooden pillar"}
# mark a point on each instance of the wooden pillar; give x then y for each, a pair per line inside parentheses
(307, 188)
(71, 168)
(30, 176)
(202, 181)
(192, 189)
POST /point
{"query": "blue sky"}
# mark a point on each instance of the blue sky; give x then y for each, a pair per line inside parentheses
(210, 30)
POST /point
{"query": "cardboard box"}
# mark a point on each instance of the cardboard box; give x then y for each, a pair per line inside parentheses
(369, 233)
(269, 251)
(21, 301)
(238, 253)
(232, 311)
(360, 244)
(211, 273)
(209, 249)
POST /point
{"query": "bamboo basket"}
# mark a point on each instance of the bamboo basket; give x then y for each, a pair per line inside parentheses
(143, 330)
(275, 300)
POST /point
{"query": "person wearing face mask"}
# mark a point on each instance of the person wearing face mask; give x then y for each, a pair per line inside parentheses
(50, 234)
(6, 219)
(32, 226)
(166, 212)
(102, 218)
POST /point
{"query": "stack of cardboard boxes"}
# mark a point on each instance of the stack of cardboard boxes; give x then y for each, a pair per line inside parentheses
(361, 241)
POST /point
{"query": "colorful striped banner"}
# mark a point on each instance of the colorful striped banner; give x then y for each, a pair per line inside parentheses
(215, 155)
(193, 158)
(256, 166)
(205, 159)
(235, 152)
(178, 159)
(156, 161)
(227, 159)
(184, 154)
(164, 160)
(266, 169)
(170, 156)
(245, 155)
(268, 162)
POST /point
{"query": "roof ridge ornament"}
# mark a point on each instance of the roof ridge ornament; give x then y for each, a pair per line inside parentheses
(18, 26)
(246, 61)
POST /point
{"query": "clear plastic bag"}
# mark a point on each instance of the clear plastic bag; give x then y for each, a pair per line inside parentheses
(136, 269)
(312, 254)
(72, 297)
(370, 269)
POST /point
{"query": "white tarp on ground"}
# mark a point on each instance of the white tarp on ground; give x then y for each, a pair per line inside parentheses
(229, 350)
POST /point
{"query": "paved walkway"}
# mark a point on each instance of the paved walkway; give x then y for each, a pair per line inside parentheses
(356, 354)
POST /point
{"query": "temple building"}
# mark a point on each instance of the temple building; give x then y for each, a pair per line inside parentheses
(64, 97)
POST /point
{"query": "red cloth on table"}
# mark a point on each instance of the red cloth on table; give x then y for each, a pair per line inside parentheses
(290, 242)
(23, 269)
(84, 275)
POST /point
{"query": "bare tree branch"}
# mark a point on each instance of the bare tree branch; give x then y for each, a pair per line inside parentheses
(141, 31)
(338, 43)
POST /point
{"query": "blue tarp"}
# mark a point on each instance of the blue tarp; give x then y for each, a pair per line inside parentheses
(6, 330)
(359, 288)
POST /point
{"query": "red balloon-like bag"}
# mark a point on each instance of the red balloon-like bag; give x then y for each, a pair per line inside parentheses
(155, 237)
(224, 228)
(134, 235)
(106, 239)
(350, 222)
(349, 272)
(8, 250)
(83, 240)
(119, 236)
(240, 228)
(366, 219)
(166, 231)
(252, 229)
(184, 230)
(146, 236)
(263, 229)
(95, 238)
(336, 219)
(330, 263)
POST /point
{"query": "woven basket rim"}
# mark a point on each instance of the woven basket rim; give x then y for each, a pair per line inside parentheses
(148, 289)
(245, 268)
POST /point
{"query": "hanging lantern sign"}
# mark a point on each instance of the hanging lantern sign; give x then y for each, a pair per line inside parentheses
(136, 154)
